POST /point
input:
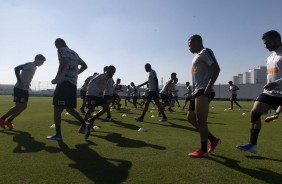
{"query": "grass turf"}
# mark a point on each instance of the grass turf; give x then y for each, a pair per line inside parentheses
(118, 153)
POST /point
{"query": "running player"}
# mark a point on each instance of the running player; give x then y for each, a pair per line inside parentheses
(153, 93)
(24, 74)
(233, 91)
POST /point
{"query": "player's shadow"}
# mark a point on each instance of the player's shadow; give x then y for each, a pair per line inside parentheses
(72, 122)
(262, 158)
(265, 175)
(174, 125)
(125, 125)
(27, 144)
(121, 141)
(96, 168)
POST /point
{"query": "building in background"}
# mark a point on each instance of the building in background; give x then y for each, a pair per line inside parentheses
(253, 76)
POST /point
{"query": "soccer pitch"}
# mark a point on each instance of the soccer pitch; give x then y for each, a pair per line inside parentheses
(119, 153)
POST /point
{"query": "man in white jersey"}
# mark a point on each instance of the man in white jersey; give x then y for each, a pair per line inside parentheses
(188, 94)
(175, 93)
(83, 91)
(153, 93)
(233, 98)
(135, 95)
(129, 91)
(108, 95)
(66, 86)
(271, 98)
(205, 71)
(116, 97)
(166, 91)
(95, 92)
(24, 74)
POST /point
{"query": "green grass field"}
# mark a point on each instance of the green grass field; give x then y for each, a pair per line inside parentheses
(118, 153)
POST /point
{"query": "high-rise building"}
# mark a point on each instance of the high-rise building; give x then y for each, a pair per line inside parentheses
(240, 78)
(258, 75)
(248, 77)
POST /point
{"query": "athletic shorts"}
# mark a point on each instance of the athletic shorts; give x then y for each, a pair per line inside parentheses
(165, 98)
(65, 95)
(127, 98)
(234, 97)
(108, 99)
(115, 96)
(20, 95)
(82, 94)
(273, 101)
(175, 97)
(134, 99)
(196, 95)
(152, 95)
(188, 98)
(94, 101)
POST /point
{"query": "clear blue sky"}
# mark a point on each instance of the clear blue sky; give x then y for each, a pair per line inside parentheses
(131, 33)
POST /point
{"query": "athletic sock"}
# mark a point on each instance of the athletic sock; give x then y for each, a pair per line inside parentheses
(81, 120)
(211, 137)
(11, 119)
(204, 145)
(4, 117)
(254, 136)
(58, 130)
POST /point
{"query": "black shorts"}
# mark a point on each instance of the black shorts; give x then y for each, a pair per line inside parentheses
(115, 97)
(273, 101)
(94, 101)
(175, 97)
(134, 99)
(108, 99)
(65, 95)
(152, 95)
(82, 94)
(234, 97)
(196, 95)
(20, 95)
(188, 98)
(212, 95)
(127, 98)
(165, 98)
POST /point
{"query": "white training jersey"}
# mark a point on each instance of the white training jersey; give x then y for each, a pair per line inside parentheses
(26, 75)
(166, 90)
(71, 70)
(109, 91)
(233, 89)
(152, 80)
(201, 69)
(97, 85)
(86, 82)
(135, 91)
(274, 73)
(189, 91)
(129, 91)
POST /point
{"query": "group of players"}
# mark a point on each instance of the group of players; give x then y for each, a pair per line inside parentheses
(100, 90)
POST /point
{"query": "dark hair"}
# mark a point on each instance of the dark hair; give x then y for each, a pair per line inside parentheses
(196, 37)
(173, 73)
(148, 65)
(111, 67)
(272, 34)
(40, 57)
(105, 68)
(60, 42)
(230, 82)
